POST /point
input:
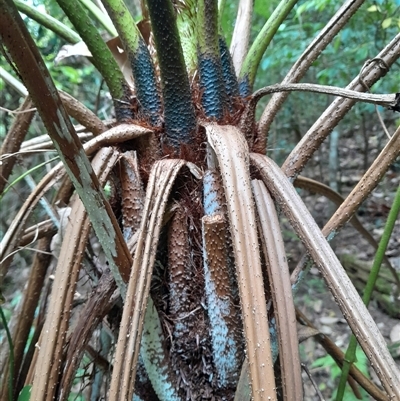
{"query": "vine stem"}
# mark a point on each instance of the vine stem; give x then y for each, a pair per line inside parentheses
(391, 101)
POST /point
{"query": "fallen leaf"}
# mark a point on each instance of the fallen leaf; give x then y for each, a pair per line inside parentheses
(329, 320)
(78, 49)
(305, 332)
(115, 46)
(395, 333)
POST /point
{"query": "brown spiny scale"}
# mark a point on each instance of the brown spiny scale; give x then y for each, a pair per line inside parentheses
(132, 193)
(215, 233)
(179, 266)
(191, 352)
(148, 151)
(143, 389)
(215, 203)
(260, 141)
(247, 122)
(214, 198)
(226, 326)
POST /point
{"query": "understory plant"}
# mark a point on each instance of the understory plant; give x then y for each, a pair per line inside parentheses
(166, 218)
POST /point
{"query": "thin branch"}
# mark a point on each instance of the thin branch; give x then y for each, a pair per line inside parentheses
(338, 282)
(48, 21)
(317, 390)
(338, 355)
(310, 54)
(391, 101)
(13, 140)
(312, 140)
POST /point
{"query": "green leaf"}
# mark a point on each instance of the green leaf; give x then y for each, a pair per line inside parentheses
(71, 73)
(324, 361)
(262, 9)
(328, 362)
(336, 43)
(386, 23)
(25, 174)
(373, 8)
(25, 393)
(361, 53)
(300, 9)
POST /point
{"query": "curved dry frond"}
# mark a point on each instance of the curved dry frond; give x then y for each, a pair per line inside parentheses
(82, 114)
(350, 303)
(391, 101)
(13, 140)
(322, 189)
(65, 277)
(119, 134)
(325, 124)
(365, 186)
(233, 157)
(247, 122)
(309, 55)
(154, 371)
(10, 240)
(100, 301)
(338, 355)
(43, 142)
(281, 289)
(162, 177)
